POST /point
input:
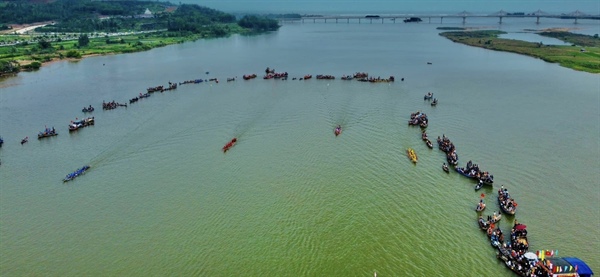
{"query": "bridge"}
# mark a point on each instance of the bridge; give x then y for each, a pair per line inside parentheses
(576, 15)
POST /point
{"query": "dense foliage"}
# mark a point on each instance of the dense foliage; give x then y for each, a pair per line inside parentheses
(92, 27)
(285, 15)
(113, 16)
(258, 23)
(22, 12)
(577, 39)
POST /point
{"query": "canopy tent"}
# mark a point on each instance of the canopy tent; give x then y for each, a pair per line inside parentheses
(582, 268)
(530, 256)
(520, 227)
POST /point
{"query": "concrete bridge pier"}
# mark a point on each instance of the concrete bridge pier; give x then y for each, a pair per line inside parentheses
(359, 21)
(441, 19)
(382, 21)
(314, 20)
(371, 21)
(537, 21)
(464, 19)
(500, 19)
(348, 20)
(575, 21)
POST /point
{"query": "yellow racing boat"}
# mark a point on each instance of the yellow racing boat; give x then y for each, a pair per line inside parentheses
(412, 155)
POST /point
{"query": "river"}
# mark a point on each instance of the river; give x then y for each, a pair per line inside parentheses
(290, 198)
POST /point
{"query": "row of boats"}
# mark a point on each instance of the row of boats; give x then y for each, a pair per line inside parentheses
(171, 86)
(360, 76)
(51, 132)
(514, 251)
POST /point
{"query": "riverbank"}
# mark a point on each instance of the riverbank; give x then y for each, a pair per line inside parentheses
(582, 55)
(31, 56)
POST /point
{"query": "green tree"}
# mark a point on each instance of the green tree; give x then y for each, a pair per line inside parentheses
(73, 54)
(83, 40)
(44, 44)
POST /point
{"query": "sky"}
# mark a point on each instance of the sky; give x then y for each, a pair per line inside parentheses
(398, 6)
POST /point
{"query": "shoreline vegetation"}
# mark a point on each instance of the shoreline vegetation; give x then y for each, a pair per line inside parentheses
(33, 34)
(583, 54)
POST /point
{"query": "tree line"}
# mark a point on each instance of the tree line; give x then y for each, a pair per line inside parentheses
(86, 16)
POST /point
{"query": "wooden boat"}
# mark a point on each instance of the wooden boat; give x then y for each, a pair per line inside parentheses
(75, 125)
(229, 145)
(88, 109)
(412, 155)
(434, 102)
(496, 217)
(25, 140)
(249, 76)
(483, 224)
(479, 185)
(480, 206)
(507, 204)
(47, 133)
(428, 96)
(361, 75)
(519, 237)
(445, 168)
(338, 130)
(306, 77)
(462, 171)
(1, 141)
(429, 144)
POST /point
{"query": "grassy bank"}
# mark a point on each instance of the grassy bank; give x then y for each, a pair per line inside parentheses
(32, 55)
(583, 55)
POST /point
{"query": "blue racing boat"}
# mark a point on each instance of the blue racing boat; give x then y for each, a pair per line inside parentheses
(76, 173)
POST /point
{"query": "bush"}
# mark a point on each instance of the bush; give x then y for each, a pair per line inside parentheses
(73, 54)
(32, 66)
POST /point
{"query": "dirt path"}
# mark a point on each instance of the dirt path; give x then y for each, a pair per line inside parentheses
(21, 29)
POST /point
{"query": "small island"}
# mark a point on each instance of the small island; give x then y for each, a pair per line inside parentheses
(582, 55)
(33, 33)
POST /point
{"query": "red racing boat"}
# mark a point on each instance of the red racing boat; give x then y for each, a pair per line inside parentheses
(229, 145)
(338, 130)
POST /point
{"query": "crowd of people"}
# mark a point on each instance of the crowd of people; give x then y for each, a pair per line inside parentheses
(447, 146)
(418, 119)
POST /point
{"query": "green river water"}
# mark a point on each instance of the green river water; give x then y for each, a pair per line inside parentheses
(290, 198)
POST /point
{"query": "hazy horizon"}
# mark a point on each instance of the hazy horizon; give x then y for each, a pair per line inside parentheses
(399, 6)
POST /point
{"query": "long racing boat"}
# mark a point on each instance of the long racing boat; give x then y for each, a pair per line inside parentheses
(412, 155)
